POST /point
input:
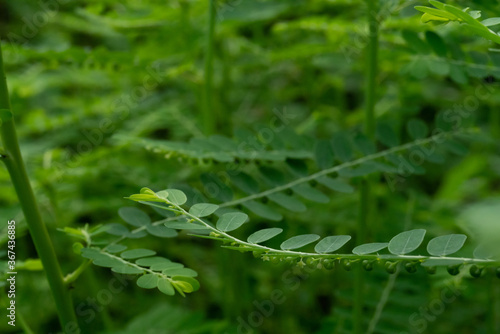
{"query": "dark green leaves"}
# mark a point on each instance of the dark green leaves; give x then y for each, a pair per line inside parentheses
(231, 221)
(406, 242)
(331, 244)
(299, 241)
(417, 129)
(288, 202)
(264, 235)
(446, 244)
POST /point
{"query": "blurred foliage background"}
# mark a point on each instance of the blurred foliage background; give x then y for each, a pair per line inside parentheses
(87, 78)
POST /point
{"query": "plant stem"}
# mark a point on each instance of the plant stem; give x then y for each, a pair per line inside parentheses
(366, 198)
(208, 114)
(38, 231)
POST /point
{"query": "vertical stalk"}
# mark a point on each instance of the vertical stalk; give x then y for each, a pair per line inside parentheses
(38, 231)
(366, 198)
(208, 114)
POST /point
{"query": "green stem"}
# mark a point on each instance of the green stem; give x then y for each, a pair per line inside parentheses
(70, 278)
(208, 114)
(38, 231)
(366, 198)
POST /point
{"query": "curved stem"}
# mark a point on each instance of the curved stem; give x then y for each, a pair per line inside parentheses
(70, 278)
(38, 231)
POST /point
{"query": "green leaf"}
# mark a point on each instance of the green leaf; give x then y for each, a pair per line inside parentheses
(310, 193)
(335, 184)
(446, 244)
(150, 261)
(414, 41)
(161, 231)
(245, 182)
(435, 14)
(369, 248)
(134, 216)
(364, 144)
(386, 135)
(231, 221)
(185, 226)
(180, 272)
(136, 253)
(493, 21)
(127, 269)
(342, 147)
(262, 210)
(324, 154)
(437, 43)
(166, 287)
(288, 202)
(176, 196)
(203, 209)
(264, 235)
(331, 244)
(108, 262)
(191, 281)
(406, 242)
(115, 248)
(166, 265)
(417, 129)
(148, 281)
(299, 241)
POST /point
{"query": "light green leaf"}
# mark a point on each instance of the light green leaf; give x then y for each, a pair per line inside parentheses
(176, 196)
(440, 15)
(331, 244)
(148, 281)
(264, 235)
(446, 244)
(288, 202)
(166, 287)
(136, 253)
(231, 221)
(493, 21)
(134, 216)
(299, 241)
(406, 242)
(203, 209)
(369, 248)
(191, 281)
